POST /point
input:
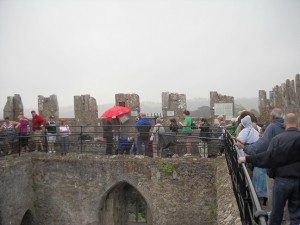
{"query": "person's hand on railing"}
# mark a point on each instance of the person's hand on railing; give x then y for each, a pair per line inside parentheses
(240, 144)
(100, 139)
(241, 159)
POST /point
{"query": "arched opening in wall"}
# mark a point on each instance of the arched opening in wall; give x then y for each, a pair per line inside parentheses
(27, 218)
(124, 205)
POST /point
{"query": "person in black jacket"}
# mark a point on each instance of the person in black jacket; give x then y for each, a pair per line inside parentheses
(284, 169)
(143, 126)
(108, 134)
(205, 132)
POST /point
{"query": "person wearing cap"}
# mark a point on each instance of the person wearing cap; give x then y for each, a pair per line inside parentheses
(38, 123)
(51, 133)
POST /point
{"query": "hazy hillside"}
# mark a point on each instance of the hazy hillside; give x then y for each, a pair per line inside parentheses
(248, 103)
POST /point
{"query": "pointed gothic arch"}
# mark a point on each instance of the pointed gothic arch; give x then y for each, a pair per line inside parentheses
(123, 204)
(27, 218)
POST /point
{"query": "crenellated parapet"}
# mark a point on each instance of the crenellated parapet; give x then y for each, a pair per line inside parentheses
(86, 110)
(173, 105)
(221, 105)
(48, 106)
(285, 96)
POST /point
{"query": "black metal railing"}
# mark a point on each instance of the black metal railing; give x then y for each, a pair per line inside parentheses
(250, 209)
(82, 139)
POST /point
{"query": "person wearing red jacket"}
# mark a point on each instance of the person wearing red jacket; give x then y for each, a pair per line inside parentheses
(38, 123)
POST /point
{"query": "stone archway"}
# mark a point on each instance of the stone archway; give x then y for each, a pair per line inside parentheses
(27, 218)
(124, 205)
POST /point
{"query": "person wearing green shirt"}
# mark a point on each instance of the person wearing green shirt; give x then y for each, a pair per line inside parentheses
(187, 131)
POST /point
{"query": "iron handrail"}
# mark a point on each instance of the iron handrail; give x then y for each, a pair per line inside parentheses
(250, 209)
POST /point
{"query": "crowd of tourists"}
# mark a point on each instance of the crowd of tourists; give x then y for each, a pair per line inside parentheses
(270, 151)
(150, 139)
(37, 130)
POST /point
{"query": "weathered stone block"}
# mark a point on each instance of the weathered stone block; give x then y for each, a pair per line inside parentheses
(13, 107)
(48, 106)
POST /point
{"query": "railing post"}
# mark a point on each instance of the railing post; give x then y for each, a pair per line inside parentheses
(81, 139)
(46, 140)
(19, 144)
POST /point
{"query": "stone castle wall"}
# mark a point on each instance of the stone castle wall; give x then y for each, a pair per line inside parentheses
(173, 105)
(216, 98)
(285, 96)
(48, 106)
(86, 109)
(78, 189)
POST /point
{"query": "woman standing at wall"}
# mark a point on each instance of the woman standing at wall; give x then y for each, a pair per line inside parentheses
(9, 129)
(23, 132)
(64, 131)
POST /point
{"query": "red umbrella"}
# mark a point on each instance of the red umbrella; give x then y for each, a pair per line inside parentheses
(115, 111)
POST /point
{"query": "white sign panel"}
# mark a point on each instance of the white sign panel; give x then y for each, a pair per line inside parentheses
(225, 109)
(134, 113)
(170, 113)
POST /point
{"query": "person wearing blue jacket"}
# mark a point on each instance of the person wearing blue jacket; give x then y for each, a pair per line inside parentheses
(284, 169)
(143, 126)
(125, 144)
(275, 127)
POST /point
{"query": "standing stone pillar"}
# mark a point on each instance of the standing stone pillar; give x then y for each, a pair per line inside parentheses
(131, 101)
(278, 93)
(264, 106)
(86, 110)
(13, 107)
(173, 105)
(48, 106)
(290, 97)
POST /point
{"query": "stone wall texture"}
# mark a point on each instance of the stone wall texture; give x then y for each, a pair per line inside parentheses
(173, 103)
(131, 101)
(86, 112)
(16, 185)
(48, 106)
(77, 189)
(13, 107)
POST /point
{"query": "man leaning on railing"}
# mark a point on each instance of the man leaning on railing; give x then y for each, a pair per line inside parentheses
(281, 158)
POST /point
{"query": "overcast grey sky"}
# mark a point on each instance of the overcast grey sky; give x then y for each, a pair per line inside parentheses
(75, 47)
